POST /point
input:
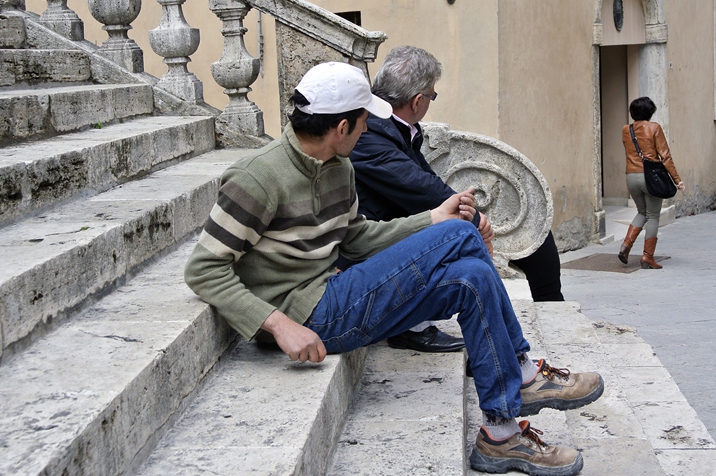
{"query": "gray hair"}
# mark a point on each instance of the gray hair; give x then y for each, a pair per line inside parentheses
(407, 71)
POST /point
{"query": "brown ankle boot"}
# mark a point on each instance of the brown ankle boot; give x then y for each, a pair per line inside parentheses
(647, 259)
(631, 235)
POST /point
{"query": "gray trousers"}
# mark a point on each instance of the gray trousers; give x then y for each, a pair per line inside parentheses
(648, 206)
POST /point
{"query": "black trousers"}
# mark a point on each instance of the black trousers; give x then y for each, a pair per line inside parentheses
(542, 270)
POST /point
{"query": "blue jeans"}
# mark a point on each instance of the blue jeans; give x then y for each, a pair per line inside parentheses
(440, 271)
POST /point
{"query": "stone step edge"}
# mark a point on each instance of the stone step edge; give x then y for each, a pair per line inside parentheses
(36, 114)
(107, 419)
(34, 66)
(41, 175)
(33, 302)
(289, 427)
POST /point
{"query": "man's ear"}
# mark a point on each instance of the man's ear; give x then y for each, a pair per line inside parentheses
(342, 128)
(414, 103)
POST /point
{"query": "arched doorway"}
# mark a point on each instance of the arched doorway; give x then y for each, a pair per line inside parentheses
(629, 61)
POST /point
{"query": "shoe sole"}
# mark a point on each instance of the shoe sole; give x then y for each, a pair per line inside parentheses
(400, 345)
(623, 258)
(490, 464)
(562, 404)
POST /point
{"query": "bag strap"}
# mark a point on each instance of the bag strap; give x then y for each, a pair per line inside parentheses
(636, 144)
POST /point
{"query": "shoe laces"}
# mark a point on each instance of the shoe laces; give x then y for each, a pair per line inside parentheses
(532, 434)
(550, 372)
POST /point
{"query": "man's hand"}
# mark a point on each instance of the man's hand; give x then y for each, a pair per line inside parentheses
(297, 341)
(461, 205)
(485, 229)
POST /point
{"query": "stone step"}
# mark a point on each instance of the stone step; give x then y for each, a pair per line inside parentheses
(408, 416)
(54, 262)
(642, 424)
(36, 175)
(40, 112)
(261, 414)
(30, 66)
(93, 396)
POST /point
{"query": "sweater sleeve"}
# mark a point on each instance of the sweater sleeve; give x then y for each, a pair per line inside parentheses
(364, 238)
(236, 222)
(662, 148)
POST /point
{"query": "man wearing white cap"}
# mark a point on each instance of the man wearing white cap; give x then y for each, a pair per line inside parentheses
(265, 261)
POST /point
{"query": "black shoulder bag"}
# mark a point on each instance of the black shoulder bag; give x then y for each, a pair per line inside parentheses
(658, 181)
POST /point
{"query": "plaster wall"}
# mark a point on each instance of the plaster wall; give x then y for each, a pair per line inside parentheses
(546, 102)
(692, 131)
(462, 36)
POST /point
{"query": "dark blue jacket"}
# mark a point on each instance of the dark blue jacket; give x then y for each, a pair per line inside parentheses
(392, 177)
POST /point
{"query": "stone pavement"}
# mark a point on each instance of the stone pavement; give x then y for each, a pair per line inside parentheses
(672, 309)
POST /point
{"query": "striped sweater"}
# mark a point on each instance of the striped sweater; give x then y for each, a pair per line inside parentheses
(275, 231)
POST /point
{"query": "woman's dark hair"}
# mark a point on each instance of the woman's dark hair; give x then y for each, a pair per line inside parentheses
(642, 109)
(318, 125)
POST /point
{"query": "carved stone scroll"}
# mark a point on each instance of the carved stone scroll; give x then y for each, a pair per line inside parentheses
(510, 189)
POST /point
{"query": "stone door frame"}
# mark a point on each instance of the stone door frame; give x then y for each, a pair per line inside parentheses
(652, 80)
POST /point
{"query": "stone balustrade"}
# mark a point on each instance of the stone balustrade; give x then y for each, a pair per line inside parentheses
(306, 35)
(117, 16)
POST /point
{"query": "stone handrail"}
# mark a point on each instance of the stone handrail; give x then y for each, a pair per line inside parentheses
(306, 35)
(510, 189)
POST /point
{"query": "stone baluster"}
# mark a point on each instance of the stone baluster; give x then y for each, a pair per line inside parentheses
(237, 69)
(175, 40)
(60, 19)
(117, 15)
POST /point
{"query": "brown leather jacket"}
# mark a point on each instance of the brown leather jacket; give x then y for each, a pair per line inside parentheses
(653, 145)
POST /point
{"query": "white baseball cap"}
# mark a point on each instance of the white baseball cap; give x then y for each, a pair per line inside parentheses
(332, 88)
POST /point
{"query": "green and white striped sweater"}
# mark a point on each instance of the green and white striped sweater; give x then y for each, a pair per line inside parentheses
(275, 231)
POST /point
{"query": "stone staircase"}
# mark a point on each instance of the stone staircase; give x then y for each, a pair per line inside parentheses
(110, 365)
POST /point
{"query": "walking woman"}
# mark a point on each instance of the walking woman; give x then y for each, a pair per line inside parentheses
(652, 142)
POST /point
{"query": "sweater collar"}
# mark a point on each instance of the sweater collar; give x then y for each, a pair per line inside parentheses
(309, 166)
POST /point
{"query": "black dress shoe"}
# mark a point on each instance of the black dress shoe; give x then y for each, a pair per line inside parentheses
(429, 340)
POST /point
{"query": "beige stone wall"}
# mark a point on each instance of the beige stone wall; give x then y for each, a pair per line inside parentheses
(692, 131)
(546, 100)
(463, 37)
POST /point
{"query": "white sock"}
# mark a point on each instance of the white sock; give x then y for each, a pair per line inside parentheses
(528, 367)
(422, 326)
(500, 428)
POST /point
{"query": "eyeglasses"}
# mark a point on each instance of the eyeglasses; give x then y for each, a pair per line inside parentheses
(432, 96)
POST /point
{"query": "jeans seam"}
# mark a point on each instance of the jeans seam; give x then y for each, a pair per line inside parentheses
(488, 338)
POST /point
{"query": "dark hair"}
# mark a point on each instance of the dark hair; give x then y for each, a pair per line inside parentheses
(318, 125)
(642, 109)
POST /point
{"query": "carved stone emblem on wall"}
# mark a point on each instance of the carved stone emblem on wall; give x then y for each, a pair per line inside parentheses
(618, 14)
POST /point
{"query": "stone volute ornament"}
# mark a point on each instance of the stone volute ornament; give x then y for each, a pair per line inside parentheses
(236, 70)
(176, 41)
(619, 14)
(117, 16)
(510, 189)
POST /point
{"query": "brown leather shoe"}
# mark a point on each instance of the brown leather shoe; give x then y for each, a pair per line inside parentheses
(629, 239)
(559, 389)
(647, 259)
(524, 452)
